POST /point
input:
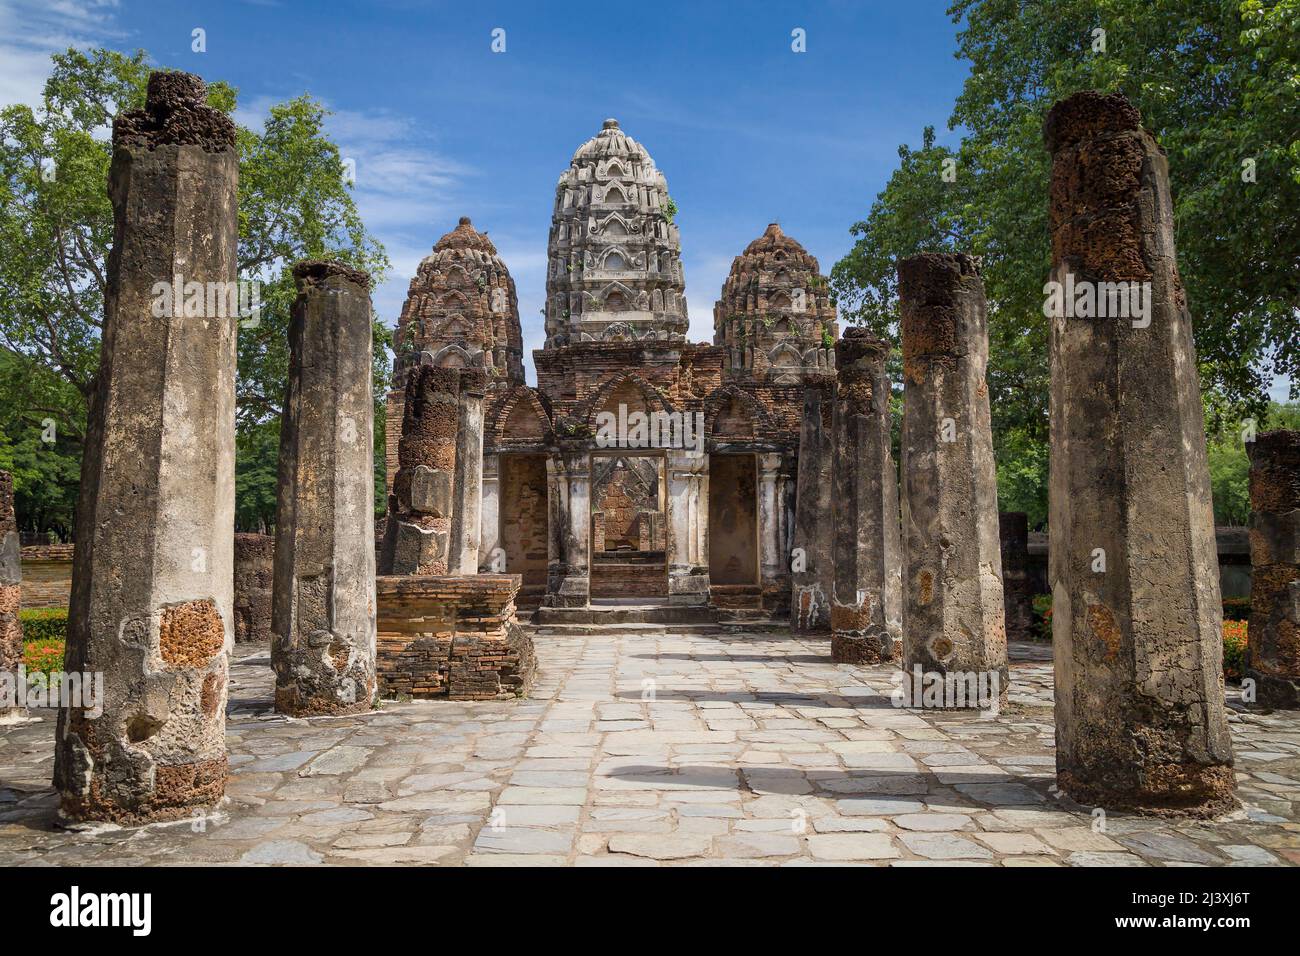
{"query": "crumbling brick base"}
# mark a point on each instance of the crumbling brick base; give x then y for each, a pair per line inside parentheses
(452, 636)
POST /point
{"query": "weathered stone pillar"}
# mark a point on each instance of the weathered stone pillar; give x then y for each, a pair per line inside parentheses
(11, 593)
(423, 500)
(811, 569)
(953, 621)
(466, 518)
(1273, 653)
(254, 576)
(323, 603)
(153, 571)
(568, 575)
(1017, 595)
(1136, 617)
(688, 527)
(775, 509)
(866, 597)
(491, 558)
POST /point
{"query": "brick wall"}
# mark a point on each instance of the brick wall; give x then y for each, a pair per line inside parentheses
(452, 636)
(641, 574)
(254, 571)
(523, 513)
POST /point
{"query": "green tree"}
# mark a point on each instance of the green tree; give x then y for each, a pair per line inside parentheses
(56, 226)
(37, 411)
(1229, 462)
(1215, 80)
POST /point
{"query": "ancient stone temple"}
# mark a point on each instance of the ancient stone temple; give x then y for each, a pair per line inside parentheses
(461, 311)
(614, 270)
(643, 468)
(775, 317)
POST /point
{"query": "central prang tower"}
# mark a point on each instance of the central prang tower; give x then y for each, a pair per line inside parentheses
(615, 271)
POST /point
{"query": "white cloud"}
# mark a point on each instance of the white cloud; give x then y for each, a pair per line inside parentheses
(31, 30)
(405, 190)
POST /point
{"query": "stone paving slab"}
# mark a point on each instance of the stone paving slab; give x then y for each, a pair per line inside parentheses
(664, 750)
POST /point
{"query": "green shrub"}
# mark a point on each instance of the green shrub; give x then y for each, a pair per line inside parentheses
(1235, 638)
(44, 623)
(43, 656)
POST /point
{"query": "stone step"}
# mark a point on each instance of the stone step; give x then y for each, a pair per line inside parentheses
(543, 631)
(626, 614)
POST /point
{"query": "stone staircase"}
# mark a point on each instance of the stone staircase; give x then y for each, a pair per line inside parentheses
(650, 619)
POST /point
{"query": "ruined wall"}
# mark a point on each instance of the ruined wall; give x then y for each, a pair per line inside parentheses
(254, 573)
(1273, 655)
(417, 538)
(452, 636)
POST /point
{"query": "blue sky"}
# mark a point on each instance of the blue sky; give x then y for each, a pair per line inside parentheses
(439, 126)
(746, 130)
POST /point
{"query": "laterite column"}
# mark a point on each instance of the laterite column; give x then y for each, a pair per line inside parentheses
(323, 595)
(866, 599)
(152, 581)
(1136, 614)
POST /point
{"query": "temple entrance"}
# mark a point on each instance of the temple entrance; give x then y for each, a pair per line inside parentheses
(523, 523)
(628, 531)
(733, 531)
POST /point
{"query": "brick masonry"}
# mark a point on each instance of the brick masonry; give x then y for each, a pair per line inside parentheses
(452, 636)
(254, 558)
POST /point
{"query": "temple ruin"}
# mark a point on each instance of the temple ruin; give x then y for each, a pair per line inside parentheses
(642, 468)
(645, 478)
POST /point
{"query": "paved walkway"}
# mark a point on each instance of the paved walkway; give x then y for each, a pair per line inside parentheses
(747, 749)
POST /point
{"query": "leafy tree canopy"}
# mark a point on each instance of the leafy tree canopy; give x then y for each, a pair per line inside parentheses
(1216, 82)
(56, 226)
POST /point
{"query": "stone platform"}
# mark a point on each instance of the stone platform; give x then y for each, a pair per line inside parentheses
(672, 749)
